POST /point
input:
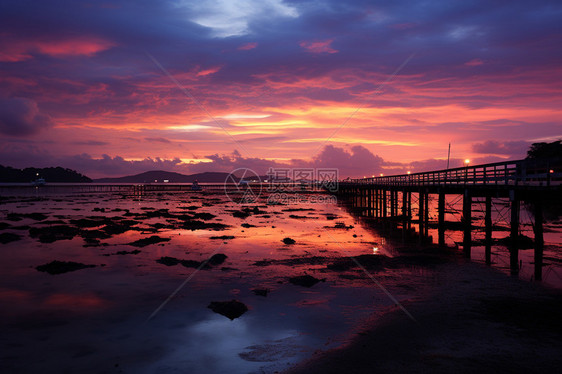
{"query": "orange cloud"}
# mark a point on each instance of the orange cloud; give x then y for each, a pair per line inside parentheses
(21, 50)
(247, 46)
(209, 71)
(319, 47)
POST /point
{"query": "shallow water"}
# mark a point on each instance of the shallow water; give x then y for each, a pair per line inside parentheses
(97, 319)
(552, 260)
(552, 263)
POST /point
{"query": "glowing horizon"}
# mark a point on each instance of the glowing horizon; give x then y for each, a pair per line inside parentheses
(246, 92)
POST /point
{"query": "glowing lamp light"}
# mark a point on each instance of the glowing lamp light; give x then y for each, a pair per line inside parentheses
(551, 171)
(375, 250)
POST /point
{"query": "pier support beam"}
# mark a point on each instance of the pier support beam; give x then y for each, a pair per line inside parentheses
(488, 225)
(514, 242)
(404, 214)
(366, 201)
(384, 193)
(421, 210)
(426, 215)
(396, 202)
(467, 221)
(441, 218)
(539, 240)
(363, 201)
(373, 200)
(377, 204)
(409, 209)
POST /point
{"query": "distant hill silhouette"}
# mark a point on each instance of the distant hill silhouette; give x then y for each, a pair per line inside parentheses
(159, 176)
(51, 175)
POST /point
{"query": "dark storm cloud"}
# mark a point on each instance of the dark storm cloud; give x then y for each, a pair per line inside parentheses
(21, 117)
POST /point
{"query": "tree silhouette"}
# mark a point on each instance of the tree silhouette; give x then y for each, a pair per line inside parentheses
(545, 150)
(52, 174)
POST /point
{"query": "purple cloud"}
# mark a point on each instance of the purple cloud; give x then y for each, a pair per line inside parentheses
(516, 149)
(21, 117)
(158, 140)
(359, 161)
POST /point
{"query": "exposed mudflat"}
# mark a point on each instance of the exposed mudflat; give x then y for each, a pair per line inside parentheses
(475, 320)
(192, 282)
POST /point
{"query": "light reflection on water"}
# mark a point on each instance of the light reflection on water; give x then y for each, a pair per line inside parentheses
(93, 320)
(552, 263)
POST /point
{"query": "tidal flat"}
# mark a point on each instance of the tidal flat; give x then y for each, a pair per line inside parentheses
(193, 282)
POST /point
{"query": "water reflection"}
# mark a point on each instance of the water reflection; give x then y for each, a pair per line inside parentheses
(92, 320)
(552, 270)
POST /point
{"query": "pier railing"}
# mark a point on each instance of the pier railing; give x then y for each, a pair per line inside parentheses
(508, 173)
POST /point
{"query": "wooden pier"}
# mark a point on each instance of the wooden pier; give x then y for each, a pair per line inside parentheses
(534, 182)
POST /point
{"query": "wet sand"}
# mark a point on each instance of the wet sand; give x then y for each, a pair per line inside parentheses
(83, 277)
(81, 274)
(476, 320)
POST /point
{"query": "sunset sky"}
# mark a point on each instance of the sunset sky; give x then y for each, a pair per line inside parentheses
(111, 88)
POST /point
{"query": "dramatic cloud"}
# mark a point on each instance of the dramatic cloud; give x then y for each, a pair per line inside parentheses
(21, 117)
(357, 162)
(264, 78)
(118, 166)
(517, 149)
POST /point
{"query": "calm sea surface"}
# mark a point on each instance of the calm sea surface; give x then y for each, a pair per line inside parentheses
(97, 319)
